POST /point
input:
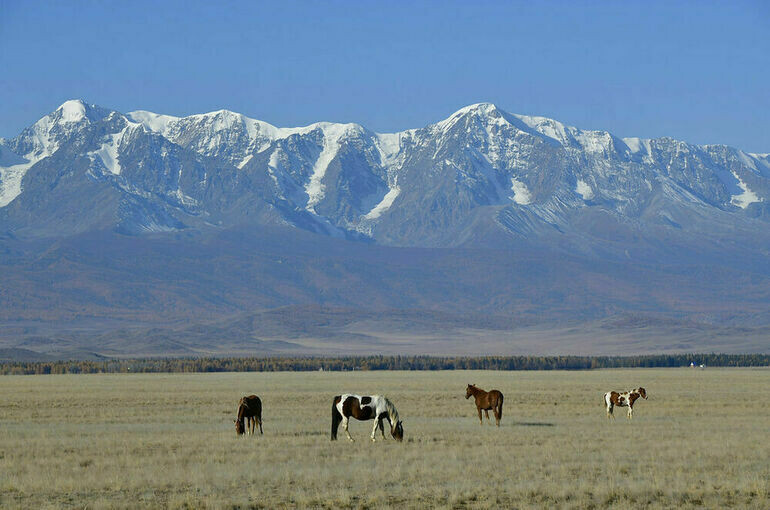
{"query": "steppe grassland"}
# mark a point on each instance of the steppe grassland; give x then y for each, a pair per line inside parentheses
(168, 440)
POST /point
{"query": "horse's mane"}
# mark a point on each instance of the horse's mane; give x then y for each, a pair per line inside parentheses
(392, 413)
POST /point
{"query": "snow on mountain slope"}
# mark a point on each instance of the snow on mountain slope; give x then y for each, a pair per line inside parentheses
(333, 134)
(10, 180)
(72, 111)
(748, 197)
(108, 152)
(152, 121)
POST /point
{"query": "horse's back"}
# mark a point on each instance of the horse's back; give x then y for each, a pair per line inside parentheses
(252, 403)
(495, 397)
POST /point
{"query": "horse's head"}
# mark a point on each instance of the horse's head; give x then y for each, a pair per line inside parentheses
(239, 429)
(642, 392)
(397, 431)
(469, 391)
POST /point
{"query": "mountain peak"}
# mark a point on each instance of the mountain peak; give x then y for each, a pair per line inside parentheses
(483, 110)
(478, 108)
(153, 121)
(73, 110)
(219, 114)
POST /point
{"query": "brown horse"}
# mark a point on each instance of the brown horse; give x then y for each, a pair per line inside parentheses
(486, 401)
(249, 408)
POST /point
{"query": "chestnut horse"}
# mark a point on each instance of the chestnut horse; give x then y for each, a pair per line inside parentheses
(249, 408)
(486, 401)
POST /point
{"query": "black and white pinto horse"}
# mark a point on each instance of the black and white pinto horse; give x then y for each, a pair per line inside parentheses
(374, 407)
(625, 399)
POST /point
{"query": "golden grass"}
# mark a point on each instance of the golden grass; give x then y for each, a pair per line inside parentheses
(156, 440)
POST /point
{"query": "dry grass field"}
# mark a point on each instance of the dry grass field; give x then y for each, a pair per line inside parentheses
(168, 441)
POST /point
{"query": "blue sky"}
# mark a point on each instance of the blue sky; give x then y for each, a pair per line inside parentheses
(696, 71)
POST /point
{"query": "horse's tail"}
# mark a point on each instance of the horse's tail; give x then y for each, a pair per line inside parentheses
(258, 414)
(336, 417)
(500, 407)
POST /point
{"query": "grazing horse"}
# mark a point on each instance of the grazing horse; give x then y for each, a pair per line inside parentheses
(486, 401)
(249, 408)
(374, 407)
(625, 399)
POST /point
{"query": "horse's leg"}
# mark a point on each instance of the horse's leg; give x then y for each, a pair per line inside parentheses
(260, 426)
(382, 427)
(486, 411)
(374, 429)
(610, 414)
(481, 420)
(630, 412)
(345, 425)
(496, 411)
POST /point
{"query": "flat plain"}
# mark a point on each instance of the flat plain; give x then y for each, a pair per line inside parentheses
(168, 441)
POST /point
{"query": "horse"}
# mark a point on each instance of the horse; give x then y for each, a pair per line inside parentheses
(486, 401)
(249, 408)
(374, 407)
(625, 399)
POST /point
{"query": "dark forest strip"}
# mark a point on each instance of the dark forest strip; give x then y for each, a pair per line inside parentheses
(347, 363)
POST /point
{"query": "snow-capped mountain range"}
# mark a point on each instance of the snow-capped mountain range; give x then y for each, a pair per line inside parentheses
(486, 232)
(480, 176)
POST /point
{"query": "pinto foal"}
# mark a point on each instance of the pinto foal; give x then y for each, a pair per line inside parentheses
(625, 399)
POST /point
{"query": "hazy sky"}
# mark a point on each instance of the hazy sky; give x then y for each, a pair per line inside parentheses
(696, 71)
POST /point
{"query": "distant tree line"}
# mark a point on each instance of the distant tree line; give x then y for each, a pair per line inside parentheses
(349, 363)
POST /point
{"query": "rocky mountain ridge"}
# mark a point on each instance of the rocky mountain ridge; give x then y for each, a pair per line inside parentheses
(478, 175)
